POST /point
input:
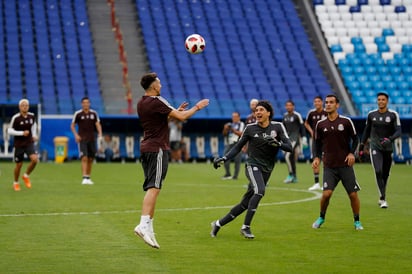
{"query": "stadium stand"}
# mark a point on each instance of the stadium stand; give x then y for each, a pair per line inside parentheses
(48, 54)
(371, 43)
(253, 49)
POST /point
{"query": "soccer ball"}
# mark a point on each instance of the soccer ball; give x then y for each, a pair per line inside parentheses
(195, 44)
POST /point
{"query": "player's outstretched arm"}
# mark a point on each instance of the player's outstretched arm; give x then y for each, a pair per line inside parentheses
(186, 114)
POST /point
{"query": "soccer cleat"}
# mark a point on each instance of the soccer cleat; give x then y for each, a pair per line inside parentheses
(288, 179)
(315, 187)
(145, 234)
(319, 221)
(16, 186)
(215, 229)
(358, 225)
(227, 177)
(247, 233)
(294, 179)
(26, 181)
(153, 238)
(90, 182)
(383, 204)
(87, 182)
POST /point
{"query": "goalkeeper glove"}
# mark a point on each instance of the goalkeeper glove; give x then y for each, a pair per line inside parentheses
(385, 141)
(272, 141)
(217, 162)
(361, 146)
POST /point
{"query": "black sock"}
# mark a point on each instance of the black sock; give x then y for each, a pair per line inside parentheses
(356, 217)
(322, 215)
(316, 175)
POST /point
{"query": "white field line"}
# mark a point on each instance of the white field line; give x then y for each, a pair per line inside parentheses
(316, 195)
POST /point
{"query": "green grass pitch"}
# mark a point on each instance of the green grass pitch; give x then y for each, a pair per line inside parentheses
(61, 226)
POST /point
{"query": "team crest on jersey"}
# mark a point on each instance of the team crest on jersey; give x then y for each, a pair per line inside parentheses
(273, 133)
(91, 116)
(388, 119)
(341, 127)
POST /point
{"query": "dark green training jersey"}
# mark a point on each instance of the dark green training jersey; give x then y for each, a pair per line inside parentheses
(260, 152)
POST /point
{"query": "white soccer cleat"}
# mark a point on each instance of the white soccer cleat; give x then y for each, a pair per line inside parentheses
(87, 182)
(153, 238)
(383, 204)
(145, 234)
(315, 187)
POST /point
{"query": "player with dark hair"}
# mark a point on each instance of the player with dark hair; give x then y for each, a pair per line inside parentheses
(314, 115)
(265, 138)
(154, 113)
(88, 122)
(336, 142)
(23, 127)
(383, 126)
(293, 122)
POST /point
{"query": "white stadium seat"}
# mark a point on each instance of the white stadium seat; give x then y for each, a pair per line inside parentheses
(338, 56)
(392, 16)
(395, 23)
(353, 32)
(376, 32)
(402, 39)
(403, 16)
(366, 9)
(380, 16)
(397, 2)
(374, 2)
(384, 24)
(368, 39)
(388, 9)
(349, 24)
(407, 24)
(348, 47)
(391, 40)
(332, 40)
(329, 2)
(399, 31)
(361, 24)
(341, 31)
(320, 9)
(329, 32)
(351, 2)
(368, 16)
(346, 16)
(357, 16)
(376, 8)
(344, 40)
(373, 23)
(395, 48)
(332, 8)
(364, 32)
(371, 47)
(338, 24)
(387, 55)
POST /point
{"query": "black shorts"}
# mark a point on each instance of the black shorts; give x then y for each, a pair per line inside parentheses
(87, 148)
(332, 176)
(175, 145)
(20, 151)
(155, 166)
